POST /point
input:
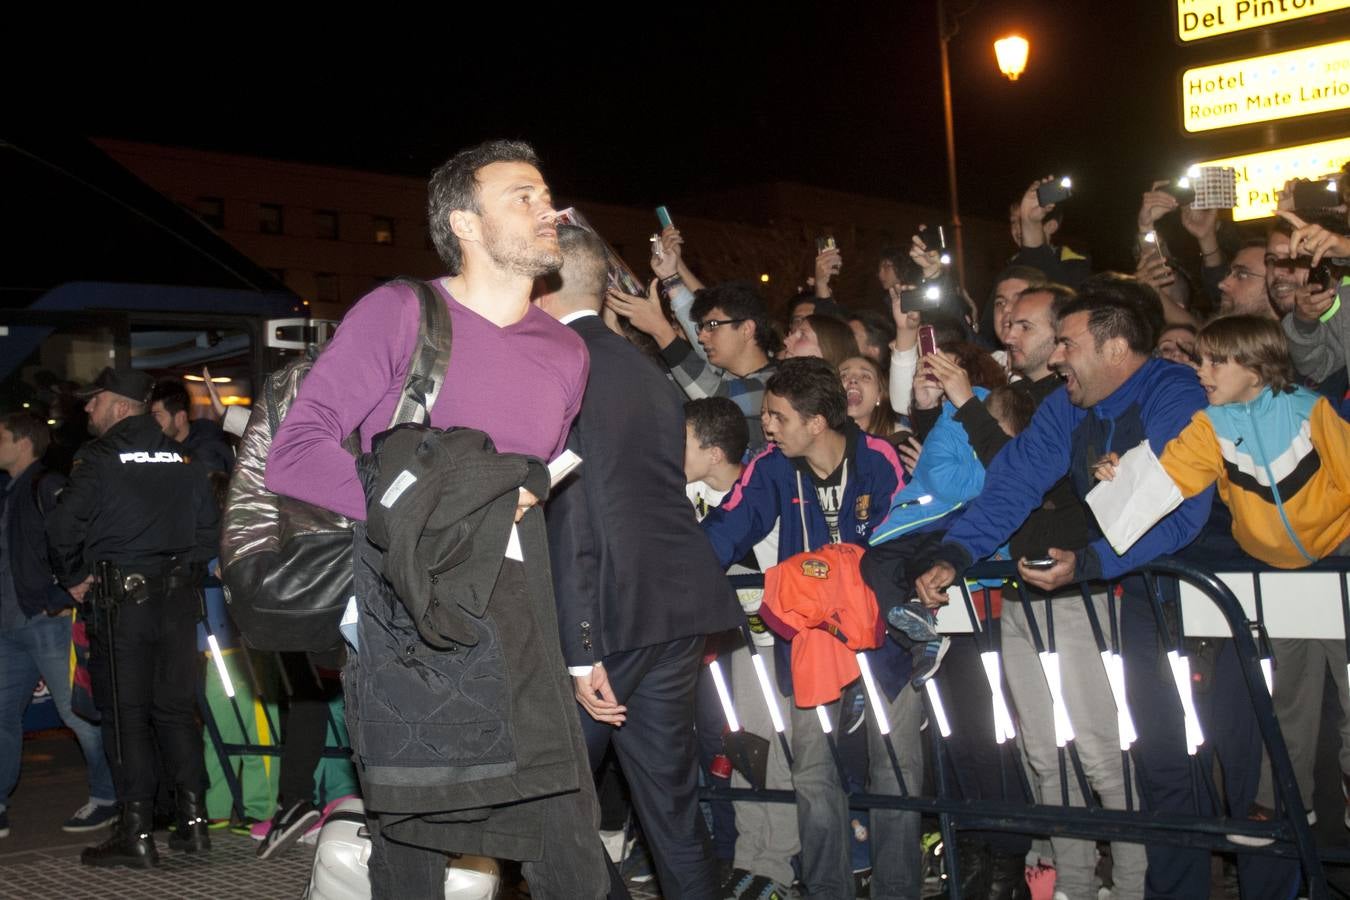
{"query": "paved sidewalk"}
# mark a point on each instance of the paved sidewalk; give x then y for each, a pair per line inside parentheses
(229, 870)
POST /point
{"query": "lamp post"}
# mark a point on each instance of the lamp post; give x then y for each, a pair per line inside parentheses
(1011, 52)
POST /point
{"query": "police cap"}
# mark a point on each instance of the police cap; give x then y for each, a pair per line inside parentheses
(127, 383)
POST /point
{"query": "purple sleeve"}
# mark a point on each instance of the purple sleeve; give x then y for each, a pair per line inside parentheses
(574, 396)
(362, 364)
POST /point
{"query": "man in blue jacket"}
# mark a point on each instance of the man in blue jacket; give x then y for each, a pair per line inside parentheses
(35, 620)
(824, 481)
(1115, 396)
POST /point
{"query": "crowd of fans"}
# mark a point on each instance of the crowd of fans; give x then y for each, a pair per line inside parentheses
(1227, 331)
(905, 435)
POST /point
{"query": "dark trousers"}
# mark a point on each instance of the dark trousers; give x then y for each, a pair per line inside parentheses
(984, 769)
(158, 669)
(1170, 781)
(304, 728)
(657, 750)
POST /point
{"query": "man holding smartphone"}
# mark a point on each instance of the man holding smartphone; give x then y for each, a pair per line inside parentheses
(1034, 225)
(1115, 396)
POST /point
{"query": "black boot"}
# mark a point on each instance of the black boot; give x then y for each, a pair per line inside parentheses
(1008, 876)
(190, 834)
(130, 843)
(972, 857)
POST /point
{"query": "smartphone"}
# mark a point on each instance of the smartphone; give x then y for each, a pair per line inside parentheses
(1322, 276)
(1182, 189)
(1041, 564)
(657, 250)
(663, 216)
(824, 243)
(920, 299)
(1316, 195)
(927, 340)
(1054, 191)
(933, 238)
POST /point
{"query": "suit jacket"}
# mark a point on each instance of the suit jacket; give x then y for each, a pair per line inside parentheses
(631, 567)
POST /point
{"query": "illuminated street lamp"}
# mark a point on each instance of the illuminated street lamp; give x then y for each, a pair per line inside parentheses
(1012, 55)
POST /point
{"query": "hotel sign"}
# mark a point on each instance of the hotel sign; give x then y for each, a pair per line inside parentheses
(1260, 176)
(1266, 88)
(1200, 19)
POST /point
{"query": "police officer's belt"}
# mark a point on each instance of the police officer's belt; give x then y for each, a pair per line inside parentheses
(136, 583)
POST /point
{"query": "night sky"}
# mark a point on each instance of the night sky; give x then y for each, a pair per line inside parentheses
(642, 108)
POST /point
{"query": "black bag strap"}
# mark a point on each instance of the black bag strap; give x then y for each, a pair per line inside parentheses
(430, 359)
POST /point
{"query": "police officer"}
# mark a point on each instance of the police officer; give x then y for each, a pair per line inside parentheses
(137, 500)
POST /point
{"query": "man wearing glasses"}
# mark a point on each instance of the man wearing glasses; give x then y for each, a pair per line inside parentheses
(1243, 290)
(736, 344)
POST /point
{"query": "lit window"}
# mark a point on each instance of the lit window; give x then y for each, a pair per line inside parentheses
(384, 229)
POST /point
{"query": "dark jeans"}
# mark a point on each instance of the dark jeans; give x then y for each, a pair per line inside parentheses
(1166, 780)
(158, 670)
(984, 769)
(304, 727)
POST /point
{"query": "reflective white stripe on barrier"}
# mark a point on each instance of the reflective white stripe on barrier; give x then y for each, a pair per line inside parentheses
(1003, 723)
(1181, 674)
(1053, 680)
(220, 665)
(944, 728)
(1115, 676)
(733, 724)
(824, 716)
(765, 688)
(873, 697)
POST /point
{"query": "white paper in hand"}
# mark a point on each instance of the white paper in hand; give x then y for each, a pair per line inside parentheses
(1133, 502)
(562, 466)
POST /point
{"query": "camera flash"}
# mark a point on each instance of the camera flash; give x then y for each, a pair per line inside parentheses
(932, 292)
(1193, 172)
(1151, 237)
(945, 259)
(1331, 185)
(1184, 182)
(1066, 182)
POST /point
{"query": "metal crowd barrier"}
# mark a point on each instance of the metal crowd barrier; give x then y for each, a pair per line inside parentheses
(1289, 832)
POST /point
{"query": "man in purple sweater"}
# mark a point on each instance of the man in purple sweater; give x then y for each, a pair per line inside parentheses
(514, 373)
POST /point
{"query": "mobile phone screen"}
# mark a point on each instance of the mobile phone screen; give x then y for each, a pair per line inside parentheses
(663, 216)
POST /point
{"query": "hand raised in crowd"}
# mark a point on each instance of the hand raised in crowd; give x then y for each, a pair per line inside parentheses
(1314, 240)
(1202, 224)
(1053, 578)
(906, 323)
(666, 263)
(926, 258)
(828, 264)
(217, 406)
(932, 585)
(1285, 195)
(596, 696)
(1033, 214)
(1153, 270)
(644, 313)
(909, 453)
(1156, 204)
(927, 389)
(954, 380)
(1311, 304)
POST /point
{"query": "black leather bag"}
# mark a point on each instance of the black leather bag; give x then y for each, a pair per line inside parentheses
(286, 565)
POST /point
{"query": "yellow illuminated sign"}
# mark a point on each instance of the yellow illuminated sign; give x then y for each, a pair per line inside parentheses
(1199, 19)
(1260, 176)
(1264, 88)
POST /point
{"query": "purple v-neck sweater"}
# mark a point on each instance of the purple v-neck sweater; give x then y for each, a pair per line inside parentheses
(521, 384)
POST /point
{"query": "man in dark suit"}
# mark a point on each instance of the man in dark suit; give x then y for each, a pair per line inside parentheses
(637, 584)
